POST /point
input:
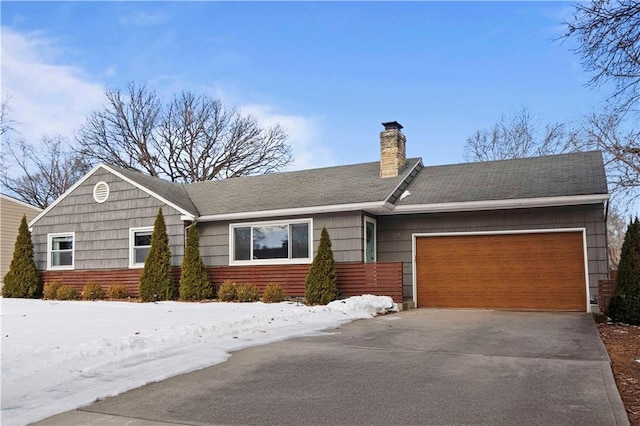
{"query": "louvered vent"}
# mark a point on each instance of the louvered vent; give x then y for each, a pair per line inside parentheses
(101, 192)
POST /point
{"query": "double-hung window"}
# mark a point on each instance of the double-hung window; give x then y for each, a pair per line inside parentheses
(60, 250)
(271, 242)
(139, 245)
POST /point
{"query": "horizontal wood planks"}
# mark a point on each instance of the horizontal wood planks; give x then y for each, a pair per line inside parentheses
(539, 271)
(383, 279)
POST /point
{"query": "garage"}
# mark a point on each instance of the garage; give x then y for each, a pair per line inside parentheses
(535, 270)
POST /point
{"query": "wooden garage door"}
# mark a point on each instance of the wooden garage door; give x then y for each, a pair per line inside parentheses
(538, 271)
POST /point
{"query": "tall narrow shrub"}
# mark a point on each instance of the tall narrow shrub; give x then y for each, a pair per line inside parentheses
(155, 281)
(22, 279)
(625, 302)
(321, 287)
(194, 281)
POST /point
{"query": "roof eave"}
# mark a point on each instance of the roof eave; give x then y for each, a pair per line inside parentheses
(21, 203)
(520, 203)
(184, 212)
(406, 179)
(377, 207)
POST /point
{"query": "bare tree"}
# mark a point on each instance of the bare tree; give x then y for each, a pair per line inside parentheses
(608, 37)
(124, 132)
(6, 123)
(616, 230)
(621, 150)
(192, 138)
(46, 170)
(519, 136)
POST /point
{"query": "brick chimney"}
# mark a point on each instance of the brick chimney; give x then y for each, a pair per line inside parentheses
(392, 149)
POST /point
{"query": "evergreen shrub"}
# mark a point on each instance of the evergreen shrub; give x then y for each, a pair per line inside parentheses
(273, 293)
(156, 282)
(93, 291)
(51, 290)
(321, 286)
(67, 293)
(227, 292)
(119, 292)
(194, 280)
(247, 293)
(625, 301)
(22, 279)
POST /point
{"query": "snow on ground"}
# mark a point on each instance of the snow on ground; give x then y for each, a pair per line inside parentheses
(57, 356)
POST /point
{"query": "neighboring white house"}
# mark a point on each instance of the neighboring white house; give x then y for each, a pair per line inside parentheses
(11, 212)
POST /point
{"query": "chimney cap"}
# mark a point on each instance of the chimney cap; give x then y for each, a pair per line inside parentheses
(392, 125)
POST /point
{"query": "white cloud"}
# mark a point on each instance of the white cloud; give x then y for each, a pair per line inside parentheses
(304, 136)
(45, 97)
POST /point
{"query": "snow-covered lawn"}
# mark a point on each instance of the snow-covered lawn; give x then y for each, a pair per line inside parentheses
(57, 356)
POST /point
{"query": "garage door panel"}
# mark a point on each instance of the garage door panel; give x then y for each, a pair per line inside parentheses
(508, 271)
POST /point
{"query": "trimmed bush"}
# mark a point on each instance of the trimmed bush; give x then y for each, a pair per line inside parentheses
(119, 292)
(156, 282)
(93, 291)
(194, 280)
(247, 293)
(321, 286)
(22, 279)
(273, 293)
(625, 301)
(227, 292)
(51, 290)
(67, 293)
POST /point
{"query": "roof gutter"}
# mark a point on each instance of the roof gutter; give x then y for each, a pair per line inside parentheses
(386, 208)
(571, 200)
(377, 207)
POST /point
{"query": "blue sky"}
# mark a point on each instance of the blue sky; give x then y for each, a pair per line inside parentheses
(330, 72)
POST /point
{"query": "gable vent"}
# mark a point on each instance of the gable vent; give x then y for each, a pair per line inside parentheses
(101, 192)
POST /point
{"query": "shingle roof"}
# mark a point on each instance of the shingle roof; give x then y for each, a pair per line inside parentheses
(580, 173)
(572, 174)
(170, 191)
(358, 183)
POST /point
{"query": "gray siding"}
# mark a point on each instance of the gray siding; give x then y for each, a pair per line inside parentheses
(395, 233)
(345, 230)
(102, 230)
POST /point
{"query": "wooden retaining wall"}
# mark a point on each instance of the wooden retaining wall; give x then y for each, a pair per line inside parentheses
(354, 279)
(605, 291)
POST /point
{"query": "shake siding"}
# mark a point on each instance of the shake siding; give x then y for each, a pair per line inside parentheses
(345, 231)
(102, 230)
(11, 213)
(395, 233)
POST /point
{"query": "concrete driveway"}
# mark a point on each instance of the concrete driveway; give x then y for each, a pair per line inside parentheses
(427, 366)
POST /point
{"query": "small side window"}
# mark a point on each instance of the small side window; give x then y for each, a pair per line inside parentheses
(139, 245)
(60, 251)
(369, 240)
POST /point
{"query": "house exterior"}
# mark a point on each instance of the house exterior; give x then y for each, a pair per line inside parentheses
(512, 234)
(11, 212)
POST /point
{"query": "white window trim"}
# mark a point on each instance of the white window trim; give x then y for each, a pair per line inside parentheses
(50, 238)
(375, 238)
(132, 232)
(296, 261)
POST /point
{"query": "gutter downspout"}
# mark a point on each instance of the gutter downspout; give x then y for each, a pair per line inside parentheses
(606, 238)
